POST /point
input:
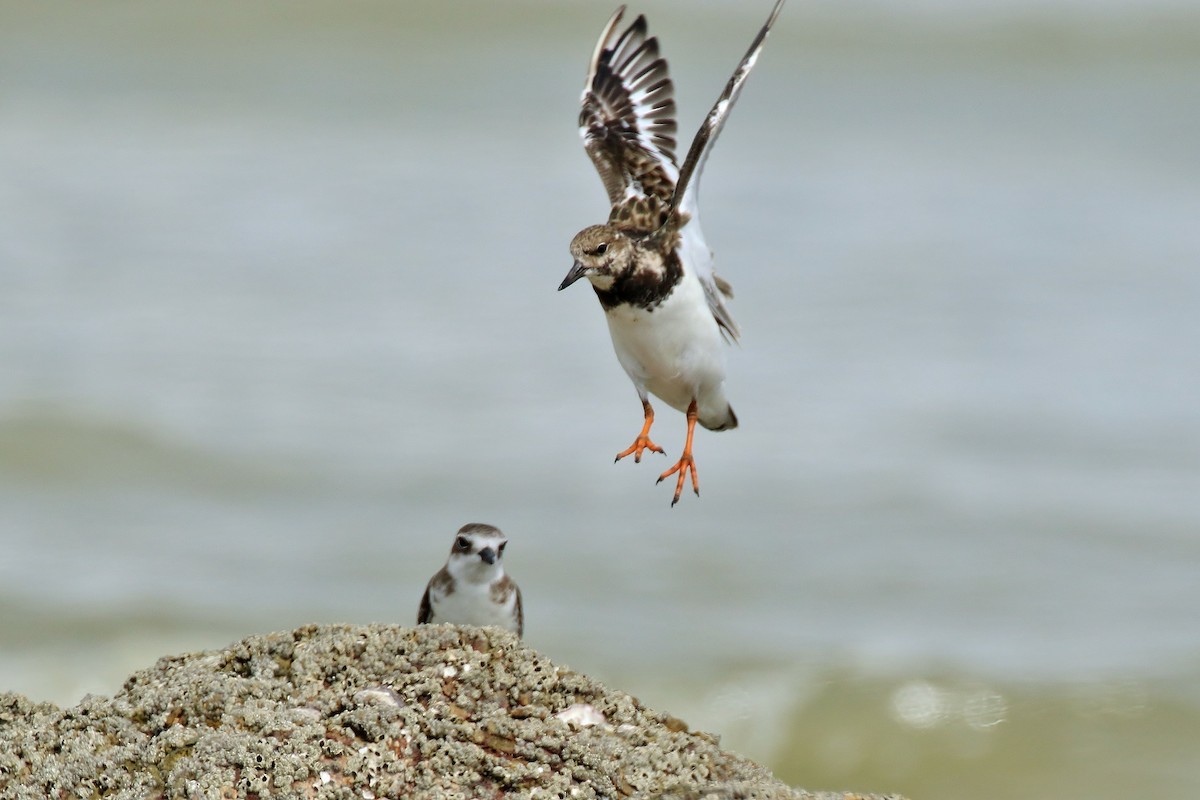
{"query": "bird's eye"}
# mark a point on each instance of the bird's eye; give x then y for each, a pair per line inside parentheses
(602, 248)
(462, 543)
(500, 549)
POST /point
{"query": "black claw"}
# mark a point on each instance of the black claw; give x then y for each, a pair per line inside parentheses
(673, 502)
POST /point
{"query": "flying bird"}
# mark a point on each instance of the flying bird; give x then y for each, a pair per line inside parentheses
(649, 263)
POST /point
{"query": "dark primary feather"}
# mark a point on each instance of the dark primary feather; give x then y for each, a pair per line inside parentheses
(706, 137)
(425, 612)
(442, 581)
(520, 613)
(627, 119)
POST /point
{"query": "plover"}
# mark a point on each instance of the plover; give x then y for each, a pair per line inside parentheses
(472, 588)
(649, 264)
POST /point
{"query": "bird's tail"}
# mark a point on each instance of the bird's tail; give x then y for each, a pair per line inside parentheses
(722, 422)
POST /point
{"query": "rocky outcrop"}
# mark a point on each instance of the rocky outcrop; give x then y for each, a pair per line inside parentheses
(363, 712)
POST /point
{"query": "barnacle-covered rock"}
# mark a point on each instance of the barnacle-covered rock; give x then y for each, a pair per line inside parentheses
(437, 711)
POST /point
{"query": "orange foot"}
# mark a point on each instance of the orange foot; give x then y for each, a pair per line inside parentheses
(686, 465)
(642, 442)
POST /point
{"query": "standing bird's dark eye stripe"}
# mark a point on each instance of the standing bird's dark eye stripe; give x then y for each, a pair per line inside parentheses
(500, 549)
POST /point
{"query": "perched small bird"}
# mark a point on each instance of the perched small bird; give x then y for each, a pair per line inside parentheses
(649, 264)
(473, 589)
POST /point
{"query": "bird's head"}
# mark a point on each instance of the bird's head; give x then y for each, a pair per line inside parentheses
(477, 553)
(602, 254)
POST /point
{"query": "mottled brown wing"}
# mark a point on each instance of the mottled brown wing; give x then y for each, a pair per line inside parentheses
(520, 613)
(425, 612)
(627, 119)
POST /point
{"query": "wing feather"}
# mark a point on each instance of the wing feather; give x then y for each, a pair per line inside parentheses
(520, 613)
(687, 188)
(425, 611)
(627, 115)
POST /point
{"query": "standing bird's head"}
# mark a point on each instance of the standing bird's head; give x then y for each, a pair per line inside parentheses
(477, 554)
(602, 254)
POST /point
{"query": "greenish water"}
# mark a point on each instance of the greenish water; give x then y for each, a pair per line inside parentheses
(277, 315)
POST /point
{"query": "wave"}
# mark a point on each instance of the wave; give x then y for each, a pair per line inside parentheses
(945, 736)
(73, 449)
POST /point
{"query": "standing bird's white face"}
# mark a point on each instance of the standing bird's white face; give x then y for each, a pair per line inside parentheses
(477, 555)
(472, 588)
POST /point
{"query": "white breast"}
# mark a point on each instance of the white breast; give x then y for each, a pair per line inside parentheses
(471, 604)
(674, 351)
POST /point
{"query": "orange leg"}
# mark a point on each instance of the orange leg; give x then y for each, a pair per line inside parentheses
(642, 442)
(686, 464)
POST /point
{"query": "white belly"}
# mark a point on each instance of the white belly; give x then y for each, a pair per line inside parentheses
(471, 604)
(675, 351)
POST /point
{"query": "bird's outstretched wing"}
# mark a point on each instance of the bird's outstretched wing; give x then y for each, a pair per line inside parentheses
(685, 199)
(687, 187)
(627, 119)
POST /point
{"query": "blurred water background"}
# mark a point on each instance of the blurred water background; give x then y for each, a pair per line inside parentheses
(278, 314)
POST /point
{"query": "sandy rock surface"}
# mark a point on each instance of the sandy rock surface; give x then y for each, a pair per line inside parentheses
(365, 712)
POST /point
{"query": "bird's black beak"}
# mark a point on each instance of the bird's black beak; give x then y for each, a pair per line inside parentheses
(488, 555)
(577, 272)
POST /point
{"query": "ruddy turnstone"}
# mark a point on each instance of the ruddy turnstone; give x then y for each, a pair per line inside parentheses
(649, 264)
(473, 589)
